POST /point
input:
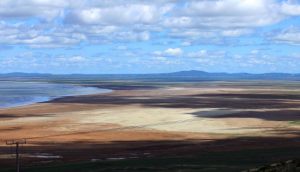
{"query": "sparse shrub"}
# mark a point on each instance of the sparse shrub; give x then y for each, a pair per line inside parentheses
(287, 166)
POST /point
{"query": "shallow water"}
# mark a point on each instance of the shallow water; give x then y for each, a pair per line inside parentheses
(19, 93)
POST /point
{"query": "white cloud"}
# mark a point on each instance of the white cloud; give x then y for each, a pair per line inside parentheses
(296, 55)
(201, 53)
(136, 60)
(202, 60)
(218, 54)
(130, 36)
(121, 48)
(174, 52)
(226, 14)
(122, 14)
(127, 55)
(177, 52)
(236, 32)
(159, 58)
(267, 56)
(254, 52)
(192, 34)
(157, 52)
(208, 54)
(110, 21)
(144, 36)
(291, 36)
(237, 57)
(163, 43)
(44, 9)
(27, 54)
(185, 44)
(77, 59)
(170, 52)
(290, 7)
(22, 33)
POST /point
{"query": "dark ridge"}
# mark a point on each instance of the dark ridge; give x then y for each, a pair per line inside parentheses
(187, 75)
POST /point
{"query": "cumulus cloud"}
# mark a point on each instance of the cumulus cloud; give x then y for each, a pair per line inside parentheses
(72, 59)
(26, 34)
(201, 53)
(236, 32)
(43, 9)
(225, 14)
(291, 36)
(122, 14)
(65, 23)
(177, 52)
(237, 56)
(290, 7)
(174, 52)
(163, 43)
(296, 55)
(127, 55)
(157, 52)
(77, 58)
(190, 34)
(27, 54)
(207, 54)
(203, 60)
(121, 48)
(130, 36)
(185, 44)
(254, 52)
(159, 58)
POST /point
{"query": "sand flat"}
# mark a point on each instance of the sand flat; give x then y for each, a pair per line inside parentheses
(122, 119)
(161, 118)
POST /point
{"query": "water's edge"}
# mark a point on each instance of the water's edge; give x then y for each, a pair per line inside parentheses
(82, 90)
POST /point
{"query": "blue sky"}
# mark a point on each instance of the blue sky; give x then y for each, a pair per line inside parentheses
(142, 36)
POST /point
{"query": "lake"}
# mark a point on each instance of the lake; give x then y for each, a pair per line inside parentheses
(21, 93)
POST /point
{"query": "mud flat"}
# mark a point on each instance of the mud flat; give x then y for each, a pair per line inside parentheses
(158, 122)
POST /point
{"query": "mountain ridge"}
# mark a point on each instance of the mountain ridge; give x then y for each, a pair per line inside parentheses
(181, 74)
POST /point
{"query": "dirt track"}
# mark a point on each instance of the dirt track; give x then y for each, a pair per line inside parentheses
(167, 121)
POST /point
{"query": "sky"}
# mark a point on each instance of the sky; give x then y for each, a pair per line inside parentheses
(149, 36)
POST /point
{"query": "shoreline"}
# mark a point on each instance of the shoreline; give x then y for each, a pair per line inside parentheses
(44, 99)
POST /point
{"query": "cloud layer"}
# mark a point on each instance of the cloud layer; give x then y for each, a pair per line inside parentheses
(169, 34)
(63, 23)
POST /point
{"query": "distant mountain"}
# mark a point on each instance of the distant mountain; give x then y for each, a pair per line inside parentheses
(188, 75)
(20, 74)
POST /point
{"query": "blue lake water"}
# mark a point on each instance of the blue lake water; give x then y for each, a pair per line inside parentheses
(19, 93)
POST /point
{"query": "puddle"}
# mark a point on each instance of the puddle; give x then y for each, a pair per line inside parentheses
(44, 155)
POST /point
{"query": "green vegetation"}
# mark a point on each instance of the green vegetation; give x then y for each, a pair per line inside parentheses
(229, 161)
(295, 123)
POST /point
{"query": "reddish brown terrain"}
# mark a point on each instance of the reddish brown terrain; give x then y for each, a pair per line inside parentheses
(160, 122)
